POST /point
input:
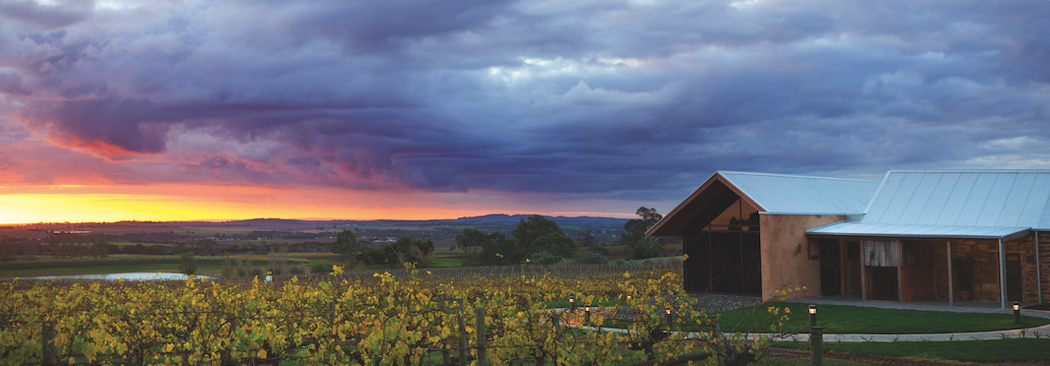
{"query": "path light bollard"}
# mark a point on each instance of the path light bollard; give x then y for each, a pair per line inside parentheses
(587, 314)
(812, 315)
(572, 304)
(816, 346)
(668, 319)
(1017, 312)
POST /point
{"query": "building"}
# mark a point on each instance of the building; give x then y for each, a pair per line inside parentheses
(916, 235)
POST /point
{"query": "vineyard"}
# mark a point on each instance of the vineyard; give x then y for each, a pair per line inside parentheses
(415, 319)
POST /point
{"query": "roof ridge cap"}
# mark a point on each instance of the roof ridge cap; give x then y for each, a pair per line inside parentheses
(797, 176)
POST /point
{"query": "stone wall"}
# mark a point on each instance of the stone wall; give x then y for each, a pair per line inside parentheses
(1029, 281)
(986, 273)
(1044, 260)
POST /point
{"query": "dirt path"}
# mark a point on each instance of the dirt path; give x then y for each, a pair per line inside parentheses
(878, 360)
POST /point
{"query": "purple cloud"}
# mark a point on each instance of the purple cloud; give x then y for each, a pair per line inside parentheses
(622, 100)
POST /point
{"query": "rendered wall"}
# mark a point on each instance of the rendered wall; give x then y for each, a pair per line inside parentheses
(786, 254)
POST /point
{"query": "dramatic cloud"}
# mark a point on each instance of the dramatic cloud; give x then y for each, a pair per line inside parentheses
(621, 100)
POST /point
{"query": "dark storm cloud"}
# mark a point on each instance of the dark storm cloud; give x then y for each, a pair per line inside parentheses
(619, 99)
(61, 14)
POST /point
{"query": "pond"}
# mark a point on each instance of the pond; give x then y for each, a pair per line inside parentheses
(127, 276)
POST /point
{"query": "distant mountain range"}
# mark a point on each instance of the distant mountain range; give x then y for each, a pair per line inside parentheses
(493, 219)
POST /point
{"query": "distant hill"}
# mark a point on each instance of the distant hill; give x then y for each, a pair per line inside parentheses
(504, 219)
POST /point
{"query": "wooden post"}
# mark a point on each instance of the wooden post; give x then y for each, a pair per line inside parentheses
(842, 266)
(816, 346)
(900, 272)
(462, 335)
(1002, 274)
(716, 330)
(48, 350)
(479, 329)
(863, 271)
(951, 282)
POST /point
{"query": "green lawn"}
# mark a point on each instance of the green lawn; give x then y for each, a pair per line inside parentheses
(857, 319)
(999, 350)
(444, 262)
(579, 306)
(128, 244)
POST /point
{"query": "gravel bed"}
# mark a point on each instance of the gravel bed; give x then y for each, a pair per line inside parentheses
(711, 303)
(714, 303)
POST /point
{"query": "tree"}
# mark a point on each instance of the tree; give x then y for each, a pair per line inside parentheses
(345, 245)
(209, 247)
(420, 252)
(649, 215)
(585, 238)
(638, 247)
(484, 248)
(527, 239)
(188, 264)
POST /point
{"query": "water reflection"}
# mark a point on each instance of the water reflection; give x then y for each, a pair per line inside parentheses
(127, 276)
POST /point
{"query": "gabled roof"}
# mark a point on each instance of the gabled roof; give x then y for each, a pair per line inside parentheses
(954, 203)
(772, 194)
(796, 194)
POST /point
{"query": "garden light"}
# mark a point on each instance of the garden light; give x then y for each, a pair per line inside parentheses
(1017, 312)
(668, 318)
(812, 315)
(572, 304)
(587, 314)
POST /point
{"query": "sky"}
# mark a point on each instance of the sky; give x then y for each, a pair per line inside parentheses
(419, 109)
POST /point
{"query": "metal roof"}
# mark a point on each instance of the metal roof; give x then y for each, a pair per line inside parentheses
(796, 194)
(771, 193)
(954, 203)
(937, 231)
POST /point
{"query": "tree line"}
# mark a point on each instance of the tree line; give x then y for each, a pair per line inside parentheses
(535, 240)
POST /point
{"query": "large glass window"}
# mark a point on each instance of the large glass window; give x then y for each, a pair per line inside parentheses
(725, 253)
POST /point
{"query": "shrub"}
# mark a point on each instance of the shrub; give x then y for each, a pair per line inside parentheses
(545, 258)
(593, 258)
(318, 268)
(373, 256)
(256, 272)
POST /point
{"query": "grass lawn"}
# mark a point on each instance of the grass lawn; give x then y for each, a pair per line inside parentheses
(445, 262)
(999, 350)
(579, 306)
(857, 319)
(128, 244)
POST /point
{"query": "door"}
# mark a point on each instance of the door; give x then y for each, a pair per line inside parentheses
(1013, 277)
(852, 266)
(830, 267)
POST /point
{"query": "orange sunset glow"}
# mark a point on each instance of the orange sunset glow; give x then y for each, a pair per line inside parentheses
(82, 203)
